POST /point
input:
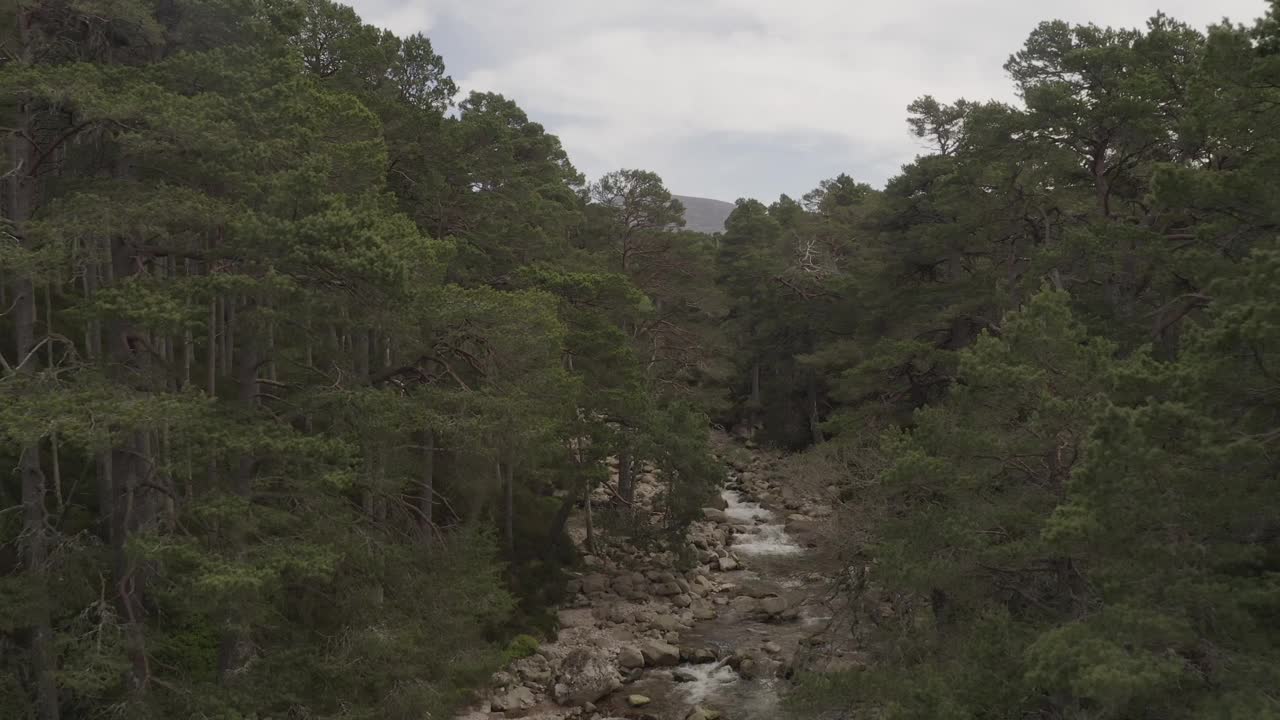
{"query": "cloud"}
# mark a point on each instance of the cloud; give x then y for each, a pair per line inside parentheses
(745, 97)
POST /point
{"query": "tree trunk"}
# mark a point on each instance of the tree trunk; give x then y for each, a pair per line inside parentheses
(35, 519)
(507, 473)
(755, 404)
(130, 508)
(426, 484)
(591, 526)
(815, 419)
(211, 382)
(626, 478)
(17, 204)
(234, 633)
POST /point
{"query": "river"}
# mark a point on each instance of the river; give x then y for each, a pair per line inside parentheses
(776, 565)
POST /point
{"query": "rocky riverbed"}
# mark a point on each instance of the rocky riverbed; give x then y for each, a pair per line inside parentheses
(641, 639)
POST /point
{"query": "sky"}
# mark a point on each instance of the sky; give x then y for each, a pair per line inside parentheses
(746, 98)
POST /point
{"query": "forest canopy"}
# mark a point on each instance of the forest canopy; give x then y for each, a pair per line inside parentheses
(307, 360)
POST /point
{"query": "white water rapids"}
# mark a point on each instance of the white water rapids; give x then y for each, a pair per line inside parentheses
(764, 537)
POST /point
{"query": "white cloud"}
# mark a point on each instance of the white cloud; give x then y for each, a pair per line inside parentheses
(649, 83)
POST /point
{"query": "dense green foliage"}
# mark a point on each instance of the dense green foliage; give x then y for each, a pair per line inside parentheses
(1058, 331)
(305, 366)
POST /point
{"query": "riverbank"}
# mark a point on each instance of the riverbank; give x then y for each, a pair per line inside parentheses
(642, 638)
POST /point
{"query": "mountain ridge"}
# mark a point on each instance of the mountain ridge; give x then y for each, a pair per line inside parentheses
(705, 215)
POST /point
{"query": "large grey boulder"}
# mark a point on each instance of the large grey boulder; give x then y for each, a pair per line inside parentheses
(660, 654)
(517, 698)
(630, 657)
(774, 605)
(585, 677)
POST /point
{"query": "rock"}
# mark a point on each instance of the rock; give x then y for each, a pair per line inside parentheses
(702, 612)
(718, 502)
(533, 670)
(630, 657)
(701, 656)
(638, 700)
(621, 614)
(595, 583)
(667, 623)
(579, 617)
(715, 515)
(659, 654)
(585, 677)
(772, 648)
(682, 676)
(682, 601)
(517, 698)
(700, 713)
(727, 564)
(774, 605)
(745, 605)
(666, 589)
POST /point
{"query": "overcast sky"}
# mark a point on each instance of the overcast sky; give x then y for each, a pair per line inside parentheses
(746, 98)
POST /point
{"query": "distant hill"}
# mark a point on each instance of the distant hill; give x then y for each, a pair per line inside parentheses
(703, 214)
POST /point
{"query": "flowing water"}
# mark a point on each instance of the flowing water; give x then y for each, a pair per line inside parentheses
(775, 565)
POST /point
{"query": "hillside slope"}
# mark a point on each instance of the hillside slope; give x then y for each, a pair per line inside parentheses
(704, 214)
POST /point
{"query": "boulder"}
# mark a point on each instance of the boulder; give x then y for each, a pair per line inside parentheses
(700, 713)
(533, 670)
(702, 656)
(745, 605)
(630, 657)
(666, 589)
(517, 698)
(659, 654)
(585, 676)
(774, 605)
(667, 623)
(715, 515)
(638, 700)
(595, 583)
(683, 676)
(727, 564)
(621, 614)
